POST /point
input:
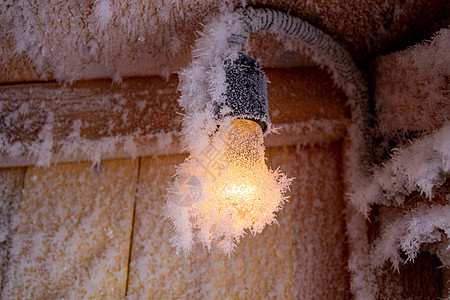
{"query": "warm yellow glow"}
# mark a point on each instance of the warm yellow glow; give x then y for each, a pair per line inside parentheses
(239, 176)
(226, 189)
(238, 190)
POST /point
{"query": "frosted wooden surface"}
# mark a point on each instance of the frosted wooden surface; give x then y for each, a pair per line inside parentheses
(73, 232)
(446, 279)
(47, 123)
(411, 88)
(78, 39)
(156, 271)
(11, 182)
(303, 258)
(319, 250)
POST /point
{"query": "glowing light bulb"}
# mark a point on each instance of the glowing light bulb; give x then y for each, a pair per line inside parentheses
(224, 188)
(229, 190)
(238, 174)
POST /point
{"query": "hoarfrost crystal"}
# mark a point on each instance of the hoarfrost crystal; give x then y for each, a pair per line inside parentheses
(225, 190)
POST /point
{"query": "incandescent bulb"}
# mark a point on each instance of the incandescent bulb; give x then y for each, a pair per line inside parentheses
(238, 173)
(227, 191)
(224, 188)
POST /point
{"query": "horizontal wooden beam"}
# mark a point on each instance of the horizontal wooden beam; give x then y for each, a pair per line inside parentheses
(44, 123)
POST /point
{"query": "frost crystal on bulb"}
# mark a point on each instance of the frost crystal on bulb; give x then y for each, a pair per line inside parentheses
(225, 190)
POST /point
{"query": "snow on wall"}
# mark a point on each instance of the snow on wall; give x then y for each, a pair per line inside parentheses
(431, 152)
(41, 124)
(420, 167)
(301, 258)
(138, 119)
(412, 87)
(71, 233)
(423, 225)
(11, 181)
(71, 40)
(411, 94)
(110, 38)
(80, 247)
(363, 280)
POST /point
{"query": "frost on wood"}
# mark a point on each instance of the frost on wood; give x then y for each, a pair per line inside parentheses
(41, 124)
(302, 258)
(11, 183)
(210, 200)
(411, 94)
(420, 167)
(71, 232)
(362, 276)
(412, 87)
(66, 40)
(423, 225)
(74, 40)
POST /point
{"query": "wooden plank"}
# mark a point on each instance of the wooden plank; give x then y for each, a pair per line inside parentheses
(73, 232)
(411, 94)
(319, 250)
(11, 183)
(421, 279)
(156, 271)
(446, 281)
(42, 40)
(44, 123)
(300, 95)
(304, 256)
(48, 123)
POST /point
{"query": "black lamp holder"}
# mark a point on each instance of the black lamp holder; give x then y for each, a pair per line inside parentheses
(246, 92)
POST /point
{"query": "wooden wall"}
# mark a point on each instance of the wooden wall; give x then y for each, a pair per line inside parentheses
(77, 229)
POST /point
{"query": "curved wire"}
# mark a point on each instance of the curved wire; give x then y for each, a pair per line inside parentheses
(332, 54)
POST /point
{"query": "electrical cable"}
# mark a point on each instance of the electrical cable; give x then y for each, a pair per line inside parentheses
(332, 54)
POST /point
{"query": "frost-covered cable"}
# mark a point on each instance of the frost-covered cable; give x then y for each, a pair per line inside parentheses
(273, 20)
(329, 53)
(222, 84)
